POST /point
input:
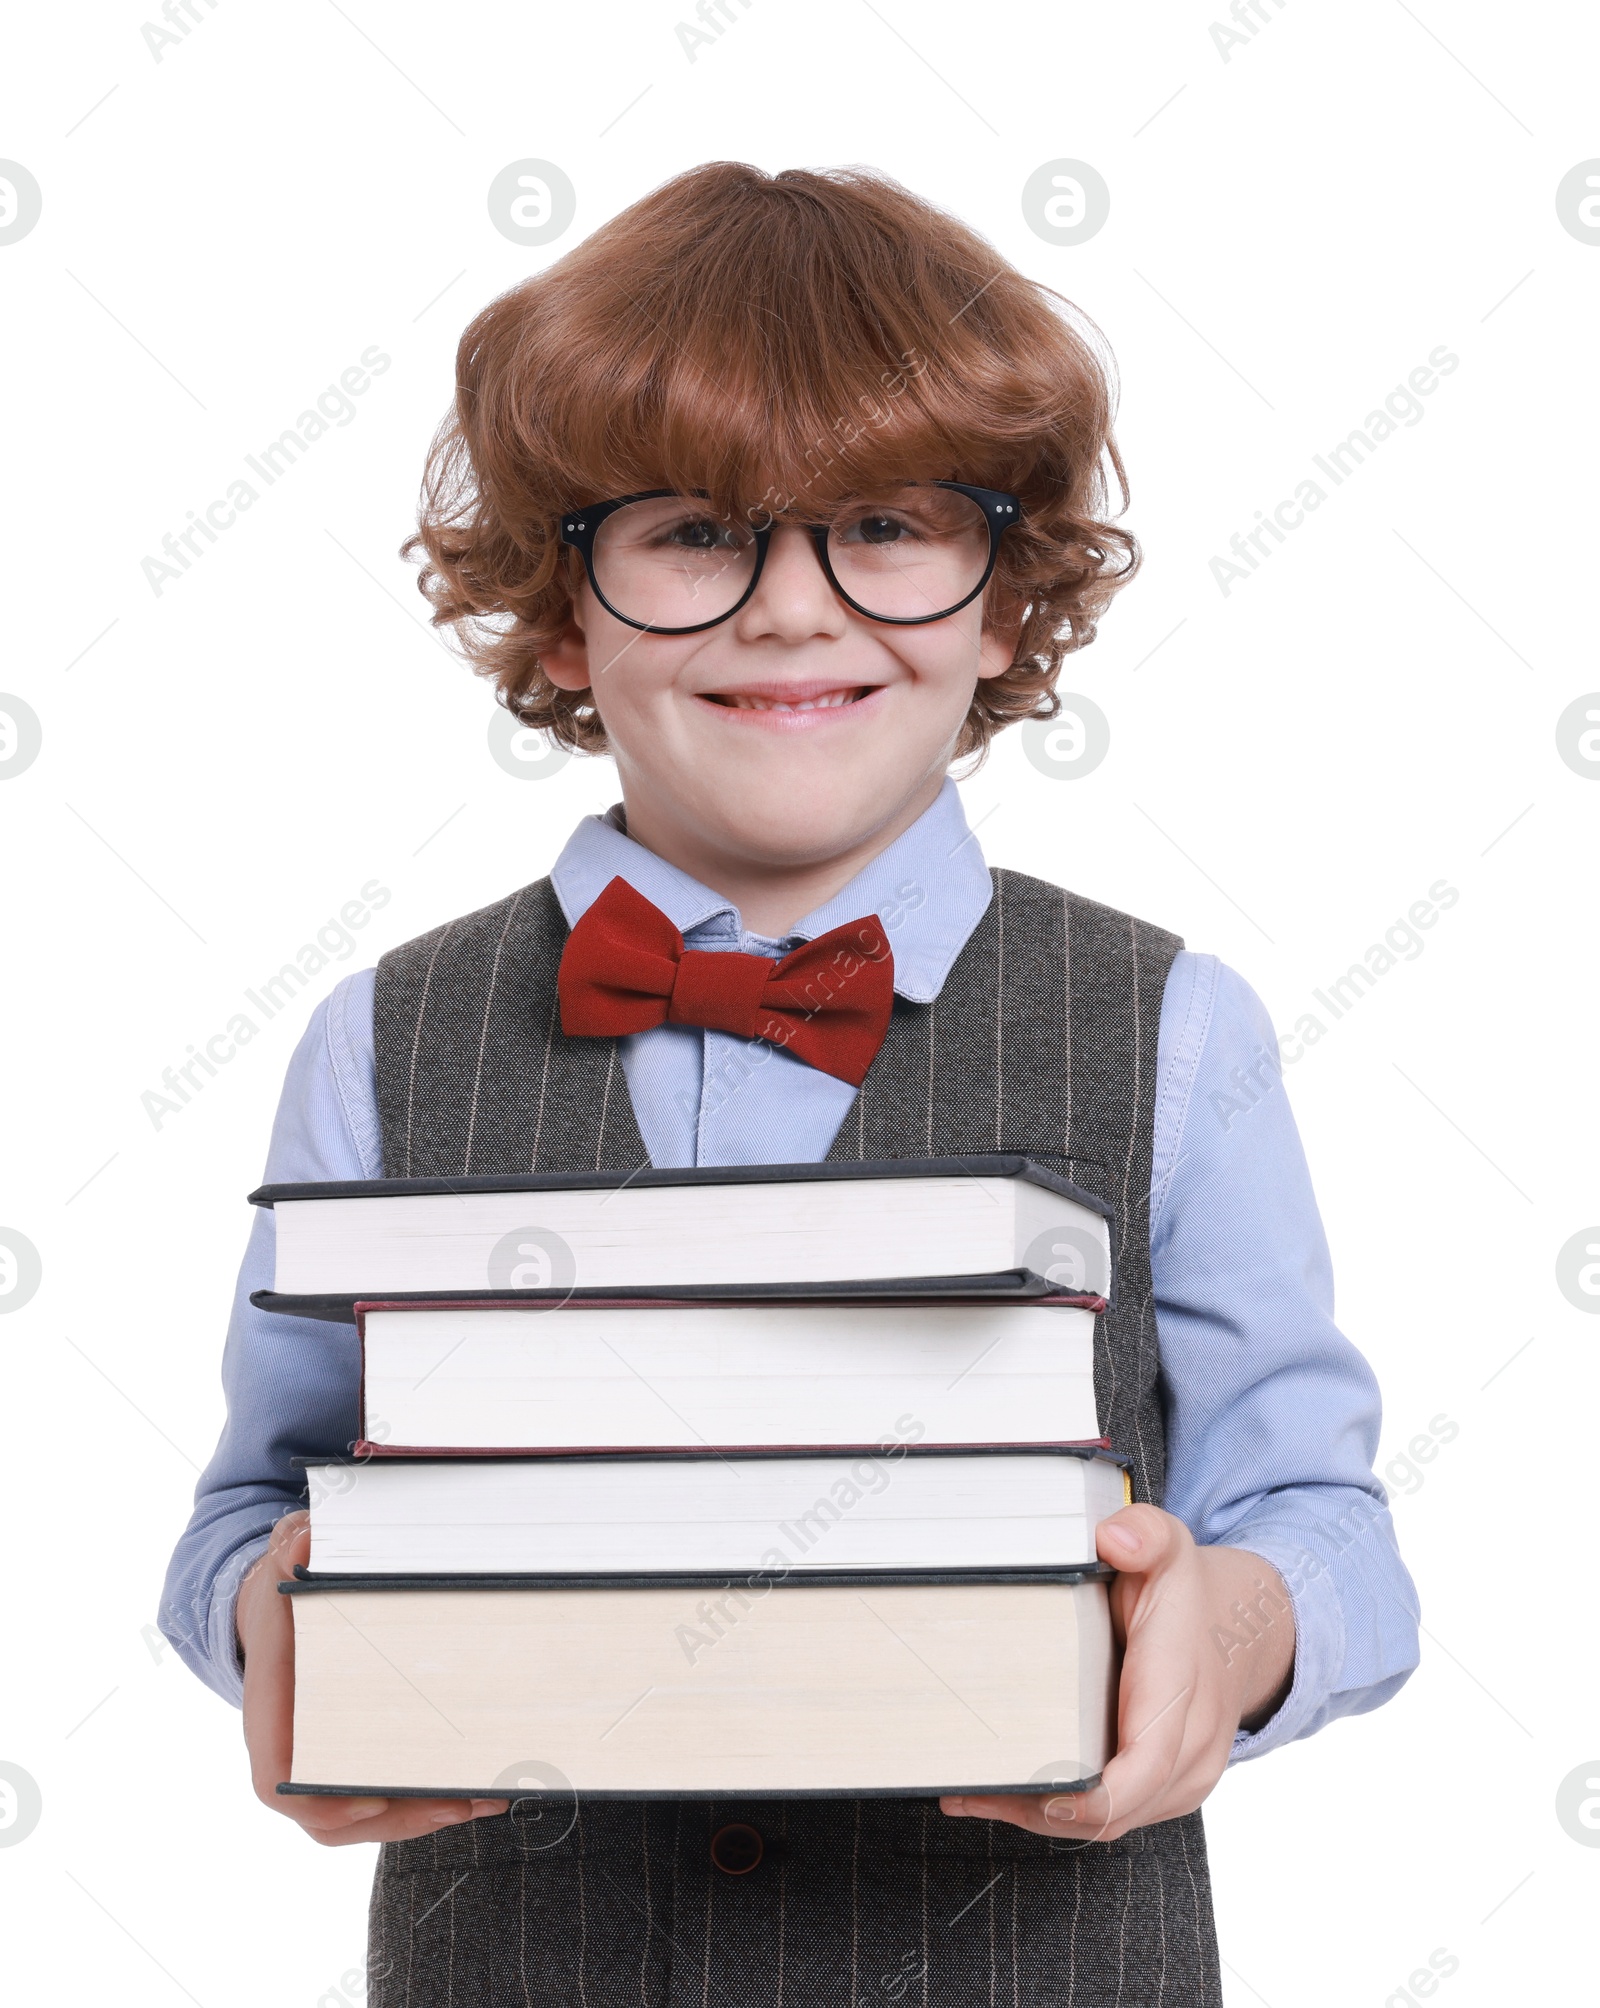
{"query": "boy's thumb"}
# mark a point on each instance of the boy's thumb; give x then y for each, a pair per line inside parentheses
(1136, 1539)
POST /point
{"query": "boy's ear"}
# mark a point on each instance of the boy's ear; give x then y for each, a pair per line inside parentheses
(566, 664)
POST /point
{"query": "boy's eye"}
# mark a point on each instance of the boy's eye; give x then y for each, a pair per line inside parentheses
(698, 533)
(876, 529)
(918, 515)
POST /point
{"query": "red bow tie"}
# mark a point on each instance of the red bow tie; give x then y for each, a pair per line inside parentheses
(625, 969)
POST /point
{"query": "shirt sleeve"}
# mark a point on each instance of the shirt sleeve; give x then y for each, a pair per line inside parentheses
(292, 1384)
(1273, 1415)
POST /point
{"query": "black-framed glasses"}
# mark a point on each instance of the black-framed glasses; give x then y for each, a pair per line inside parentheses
(668, 563)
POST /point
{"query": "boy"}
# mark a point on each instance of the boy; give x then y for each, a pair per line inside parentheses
(787, 493)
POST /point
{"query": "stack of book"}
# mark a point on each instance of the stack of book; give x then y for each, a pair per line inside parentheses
(758, 1480)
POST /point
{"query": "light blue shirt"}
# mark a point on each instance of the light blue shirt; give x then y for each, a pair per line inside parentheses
(1272, 1415)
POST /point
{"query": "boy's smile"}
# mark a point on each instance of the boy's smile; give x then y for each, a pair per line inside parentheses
(798, 704)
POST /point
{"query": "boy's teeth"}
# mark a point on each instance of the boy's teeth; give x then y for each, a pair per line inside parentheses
(827, 703)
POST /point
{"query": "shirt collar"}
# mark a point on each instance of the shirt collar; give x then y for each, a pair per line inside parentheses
(930, 888)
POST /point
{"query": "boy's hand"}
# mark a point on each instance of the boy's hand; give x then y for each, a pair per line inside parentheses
(265, 1626)
(1185, 1689)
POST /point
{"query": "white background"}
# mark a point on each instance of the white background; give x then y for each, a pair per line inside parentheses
(1292, 764)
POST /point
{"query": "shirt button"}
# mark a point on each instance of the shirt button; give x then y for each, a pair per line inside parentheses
(737, 1849)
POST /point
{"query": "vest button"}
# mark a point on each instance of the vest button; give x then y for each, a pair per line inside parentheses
(737, 1849)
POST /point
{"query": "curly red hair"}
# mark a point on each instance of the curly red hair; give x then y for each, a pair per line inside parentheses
(779, 341)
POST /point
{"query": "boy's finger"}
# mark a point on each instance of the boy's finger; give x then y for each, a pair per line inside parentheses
(1085, 1816)
(400, 1823)
(268, 1720)
(327, 1815)
(336, 1823)
(1139, 1539)
(1016, 1808)
(1079, 1816)
(1149, 1746)
(292, 1530)
(269, 1659)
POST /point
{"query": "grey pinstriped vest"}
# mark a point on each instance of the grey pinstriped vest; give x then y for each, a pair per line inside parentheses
(1042, 1040)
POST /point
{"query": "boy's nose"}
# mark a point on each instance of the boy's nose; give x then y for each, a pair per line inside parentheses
(793, 597)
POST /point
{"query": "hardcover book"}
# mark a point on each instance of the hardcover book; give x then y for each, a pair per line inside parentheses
(632, 1374)
(995, 1225)
(700, 1512)
(782, 1687)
